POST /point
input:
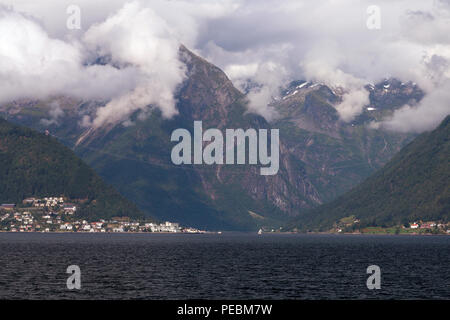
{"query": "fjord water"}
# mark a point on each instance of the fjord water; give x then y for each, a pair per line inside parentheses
(226, 266)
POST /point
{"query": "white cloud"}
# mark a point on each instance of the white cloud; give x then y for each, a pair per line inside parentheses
(325, 40)
(142, 40)
(34, 65)
(55, 113)
(328, 41)
(427, 115)
(241, 71)
(352, 104)
(269, 76)
(137, 36)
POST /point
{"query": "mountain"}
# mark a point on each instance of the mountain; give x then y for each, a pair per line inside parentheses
(33, 164)
(338, 155)
(321, 156)
(213, 197)
(413, 186)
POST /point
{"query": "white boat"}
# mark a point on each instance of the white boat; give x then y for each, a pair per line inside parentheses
(260, 231)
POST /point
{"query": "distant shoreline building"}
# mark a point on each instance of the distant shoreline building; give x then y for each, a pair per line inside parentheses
(8, 206)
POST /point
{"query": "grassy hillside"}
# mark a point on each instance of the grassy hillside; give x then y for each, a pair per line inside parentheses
(414, 185)
(32, 164)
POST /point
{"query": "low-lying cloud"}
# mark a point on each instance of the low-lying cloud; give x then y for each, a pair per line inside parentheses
(55, 114)
(428, 114)
(138, 37)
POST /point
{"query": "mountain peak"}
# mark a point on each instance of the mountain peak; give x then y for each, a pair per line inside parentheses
(207, 91)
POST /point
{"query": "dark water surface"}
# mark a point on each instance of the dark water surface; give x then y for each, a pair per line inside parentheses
(227, 266)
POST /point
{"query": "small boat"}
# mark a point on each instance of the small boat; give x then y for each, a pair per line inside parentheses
(260, 231)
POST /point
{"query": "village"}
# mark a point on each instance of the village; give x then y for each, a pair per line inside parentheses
(350, 225)
(54, 214)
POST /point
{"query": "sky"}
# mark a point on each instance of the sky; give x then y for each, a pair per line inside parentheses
(345, 43)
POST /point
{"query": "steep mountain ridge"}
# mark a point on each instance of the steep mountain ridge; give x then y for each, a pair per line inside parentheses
(208, 196)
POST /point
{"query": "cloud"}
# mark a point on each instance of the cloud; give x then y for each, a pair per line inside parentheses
(328, 41)
(263, 42)
(433, 108)
(55, 113)
(321, 67)
(242, 73)
(139, 43)
(352, 104)
(261, 82)
(144, 68)
(137, 36)
(34, 65)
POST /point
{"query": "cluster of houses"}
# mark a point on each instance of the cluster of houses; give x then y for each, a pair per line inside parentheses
(51, 202)
(420, 226)
(429, 225)
(119, 226)
(52, 214)
(34, 222)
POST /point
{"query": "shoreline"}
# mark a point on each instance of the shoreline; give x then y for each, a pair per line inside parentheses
(62, 232)
(230, 232)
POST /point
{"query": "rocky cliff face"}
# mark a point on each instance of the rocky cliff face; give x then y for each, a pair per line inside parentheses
(338, 155)
(320, 156)
(208, 95)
